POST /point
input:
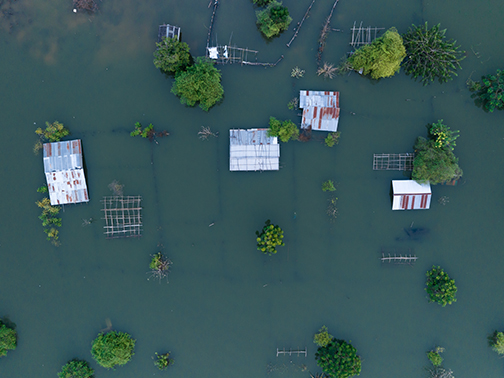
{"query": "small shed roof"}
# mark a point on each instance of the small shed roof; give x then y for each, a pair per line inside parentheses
(320, 110)
(64, 172)
(253, 150)
(410, 195)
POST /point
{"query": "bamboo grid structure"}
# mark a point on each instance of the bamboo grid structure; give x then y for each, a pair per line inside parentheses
(393, 257)
(290, 352)
(393, 162)
(123, 216)
(363, 36)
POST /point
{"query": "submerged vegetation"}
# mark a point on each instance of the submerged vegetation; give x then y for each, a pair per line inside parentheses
(112, 349)
(148, 132)
(434, 159)
(297, 72)
(489, 92)
(496, 342)
(172, 56)
(440, 287)
(328, 186)
(332, 139)
(270, 237)
(285, 130)
(49, 219)
(434, 356)
(199, 83)
(76, 369)
(52, 133)
(323, 337)
(327, 70)
(429, 56)
(338, 359)
(159, 266)
(381, 58)
(162, 361)
(8, 339)
(273, 20)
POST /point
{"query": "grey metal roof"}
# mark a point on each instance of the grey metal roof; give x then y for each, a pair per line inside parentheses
(64, 172)
(320, 110)
(253, 150)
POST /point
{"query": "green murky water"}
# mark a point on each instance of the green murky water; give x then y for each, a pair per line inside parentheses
(227, 308)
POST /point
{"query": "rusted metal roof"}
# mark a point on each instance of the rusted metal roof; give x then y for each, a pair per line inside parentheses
(410, 195)
(253, 150)
(64, 172)
(320, 110)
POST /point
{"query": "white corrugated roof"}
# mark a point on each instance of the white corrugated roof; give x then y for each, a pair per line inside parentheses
(253, 150)
(320, 110)
(64, 172)
(410, 187)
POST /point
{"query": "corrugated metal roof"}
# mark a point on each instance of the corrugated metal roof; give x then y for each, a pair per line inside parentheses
(253, 150)
(64, 172)
(410, 195)
(320, 110)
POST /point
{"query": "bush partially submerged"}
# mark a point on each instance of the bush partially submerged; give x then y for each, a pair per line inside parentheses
(113, 349)
(434, 356)
(76, 369)
(323, 337)
(52, 133)
(162, 361)
(273, 20)
(496, 342)
(440, 287)
(269, 238)
(429, 56)
(381, 58)
(8, 339)
(285, 130)
(338, 359)
(489, 92)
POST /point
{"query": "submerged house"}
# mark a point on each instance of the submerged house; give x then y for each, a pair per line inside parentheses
(320, 110)
(410, 195)
(253, 150)
(168, 31)
(64, 172)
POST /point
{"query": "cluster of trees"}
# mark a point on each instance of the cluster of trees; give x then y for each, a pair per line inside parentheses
(196, 81)
(8, 339)
(489, 92)
(440, 287)
(434, 160)
(424, 53)
(285, 130)
(272, 20)
(269, 238)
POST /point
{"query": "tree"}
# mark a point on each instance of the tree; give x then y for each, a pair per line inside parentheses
(172, 55)
(285, 130)
(489, 92)
(200, 83)
(328, 186)
(338, 359)
(440, 287)
(273, 20)
(496, 342)
(434, 356)
(76, 369)
(323, 337)
(261, 3)
(8, 339)
(429, 55)
(434, 159)
(52, 133)
(381, 58)
(269, 238)
(332, 139)
(113, 348)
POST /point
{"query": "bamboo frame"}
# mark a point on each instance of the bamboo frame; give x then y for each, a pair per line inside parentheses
(123, 216)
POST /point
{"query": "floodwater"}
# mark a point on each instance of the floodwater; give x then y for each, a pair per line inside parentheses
(227, 307)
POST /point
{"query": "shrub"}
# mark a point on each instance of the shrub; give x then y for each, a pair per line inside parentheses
(381, 58)
(147, 132)
(489, 92)
(200, 83)
(297, 72)
(172, 56)
(338, 359)
(293, 104)
(435, 357)
(440, 287)
(273, 20)
(113, 348)
(49, 219)
(8, 339)
(159, 266)
(52, 133)
(332, 139)
(269, 238)
(323, 337)
(328, 186)
(163, 361)
(496, 341)
(434, 160)
(285, 130)
(76, 369)
(429, 56)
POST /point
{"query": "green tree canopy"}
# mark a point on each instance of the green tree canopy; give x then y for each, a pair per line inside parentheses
(285, 130)
(440, 287)
(496, 342)
(172, 55)
(429, 55)
(199, 83)
(113, 348)
(269, 238)
(338, 359)
(489, 92)
(76, 369)
(381, 58)
(434, 159)
(273, 20)
(8, 339)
